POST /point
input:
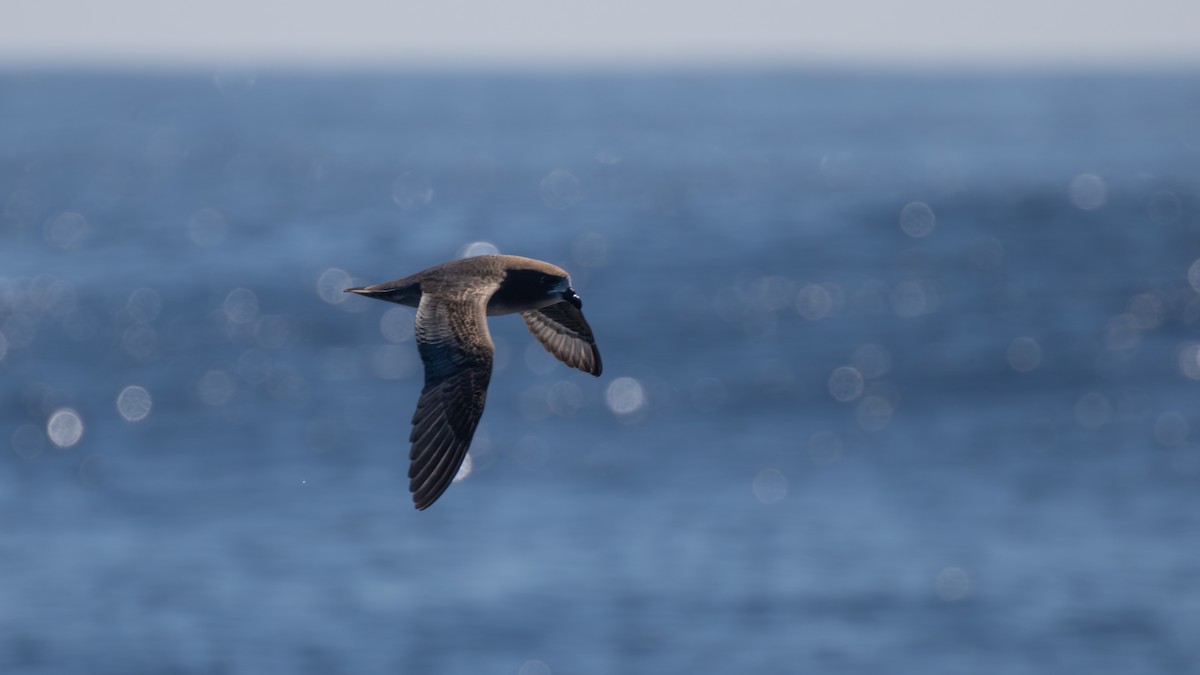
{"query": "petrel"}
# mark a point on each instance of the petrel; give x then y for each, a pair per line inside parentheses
(453, 301)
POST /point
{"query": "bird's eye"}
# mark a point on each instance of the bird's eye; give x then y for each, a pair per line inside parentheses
(548, 280)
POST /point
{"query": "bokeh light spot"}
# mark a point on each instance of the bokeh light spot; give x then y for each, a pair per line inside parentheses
(1122, 332)
(271, 331)
(464, 470)
(813, 302)
(396, 324)
(845, 383)
(477, 248)
(59, 298)
(332, 284)
(254, 366)
(872, 361)
(134, 403)
(67, 230)
(1189, 360)
(1088, 191)
(914, 298)
(1147, 310)
(917, 219)
(560, 189)
(144, 304)
(216, 387)
(625, 396)
(952, 584)
(64, 428)
(140, 341)
(28, 441)
(769, 486)
(1164, 207)
(1193, 275)
(774, 292)
(241, 305)
(1024, 354)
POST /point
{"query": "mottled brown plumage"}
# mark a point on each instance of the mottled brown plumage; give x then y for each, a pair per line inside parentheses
(453, 301)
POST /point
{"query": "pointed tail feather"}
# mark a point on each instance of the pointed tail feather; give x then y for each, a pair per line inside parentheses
(403, 291)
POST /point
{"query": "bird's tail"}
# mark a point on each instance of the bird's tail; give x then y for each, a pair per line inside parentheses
(401, 291)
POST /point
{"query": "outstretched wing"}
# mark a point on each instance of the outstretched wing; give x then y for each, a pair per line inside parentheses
(453, 339)
(564, 332)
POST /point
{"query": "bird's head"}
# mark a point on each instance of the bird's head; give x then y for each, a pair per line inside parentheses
(533, 284)
(558, 287)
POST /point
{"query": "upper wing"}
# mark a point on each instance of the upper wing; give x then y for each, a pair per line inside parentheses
(453, 339)
(564, 332)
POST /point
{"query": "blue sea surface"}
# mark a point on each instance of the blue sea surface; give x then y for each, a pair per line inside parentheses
(901, 374)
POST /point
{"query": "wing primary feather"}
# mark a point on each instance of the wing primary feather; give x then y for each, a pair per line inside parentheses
(564, 332)
(452, 337)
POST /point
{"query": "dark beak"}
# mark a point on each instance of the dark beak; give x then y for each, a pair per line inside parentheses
(572, 297)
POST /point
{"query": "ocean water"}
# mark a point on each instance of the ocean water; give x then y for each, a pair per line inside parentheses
(900, 374)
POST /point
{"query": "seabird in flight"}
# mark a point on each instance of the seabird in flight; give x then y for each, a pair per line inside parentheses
(453, 301)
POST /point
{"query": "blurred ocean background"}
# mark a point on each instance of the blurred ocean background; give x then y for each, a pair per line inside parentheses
(900, 374)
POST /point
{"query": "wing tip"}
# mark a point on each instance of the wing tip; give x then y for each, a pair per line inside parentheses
(424, 497)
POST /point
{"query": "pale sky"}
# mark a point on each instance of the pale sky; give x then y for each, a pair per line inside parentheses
(562, 33)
